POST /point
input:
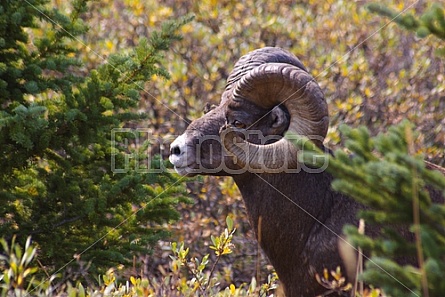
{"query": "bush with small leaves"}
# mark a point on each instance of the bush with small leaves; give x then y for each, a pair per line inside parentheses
(188, 276)
(431, 22)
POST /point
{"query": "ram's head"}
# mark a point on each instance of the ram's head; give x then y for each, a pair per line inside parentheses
(268, 93)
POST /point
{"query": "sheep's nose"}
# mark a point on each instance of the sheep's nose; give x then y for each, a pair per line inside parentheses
(177, 147)
(175, 150)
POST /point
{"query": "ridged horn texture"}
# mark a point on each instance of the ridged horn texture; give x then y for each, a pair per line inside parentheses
(258, 57)
(280, 79)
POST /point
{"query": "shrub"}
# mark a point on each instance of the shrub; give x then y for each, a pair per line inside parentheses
(187, 277)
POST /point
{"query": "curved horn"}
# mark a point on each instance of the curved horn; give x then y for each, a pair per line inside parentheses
(273, 84)
(256, 58)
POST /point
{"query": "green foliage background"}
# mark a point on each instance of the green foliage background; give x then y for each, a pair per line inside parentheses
(56, 122)
(56, 180)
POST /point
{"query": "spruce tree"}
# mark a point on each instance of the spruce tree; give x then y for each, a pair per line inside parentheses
(385, 174)
(60, 152)
(431, 22)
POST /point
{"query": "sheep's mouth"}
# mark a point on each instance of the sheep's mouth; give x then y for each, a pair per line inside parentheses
(186, 171)
(181, 170)
(183, 166)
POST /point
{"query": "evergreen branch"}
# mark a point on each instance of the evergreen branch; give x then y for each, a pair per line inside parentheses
(431, 22)
(67, 221)
(159, 41)
(416, 214)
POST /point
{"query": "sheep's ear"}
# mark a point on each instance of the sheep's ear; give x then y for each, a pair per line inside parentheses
(279, 117)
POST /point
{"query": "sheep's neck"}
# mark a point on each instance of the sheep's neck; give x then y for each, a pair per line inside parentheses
(284, 210)
(280, 206)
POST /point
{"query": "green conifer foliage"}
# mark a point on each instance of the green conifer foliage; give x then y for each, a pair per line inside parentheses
(385, 174)
(431, 22)
(57, 182)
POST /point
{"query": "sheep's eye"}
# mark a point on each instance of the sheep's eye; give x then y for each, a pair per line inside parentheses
(238, 124)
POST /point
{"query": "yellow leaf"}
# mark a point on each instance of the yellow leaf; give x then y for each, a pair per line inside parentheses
(165, 12)
(232, 289)
(19, 280)
(368, 92)
(325, 274)
(109, 44)
(270, 22)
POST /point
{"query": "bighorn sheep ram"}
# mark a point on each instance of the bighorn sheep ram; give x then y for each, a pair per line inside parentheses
(295, 214)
